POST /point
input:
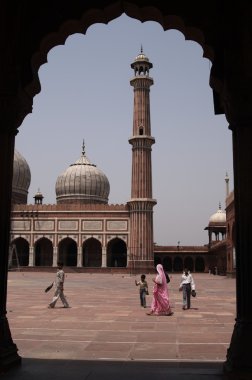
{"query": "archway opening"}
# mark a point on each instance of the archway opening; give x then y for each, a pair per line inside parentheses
(116, 253)
(178, 264)
(19, 253)
(181, 100)
(92, 253)
(167, 264)
(43, 253)
(188, 263)
(199, 264)
(68, 252)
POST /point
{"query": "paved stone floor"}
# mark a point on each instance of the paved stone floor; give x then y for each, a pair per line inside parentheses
(106, 333)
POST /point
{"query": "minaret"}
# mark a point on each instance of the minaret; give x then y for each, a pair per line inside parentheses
(227, 185)
(141, 256)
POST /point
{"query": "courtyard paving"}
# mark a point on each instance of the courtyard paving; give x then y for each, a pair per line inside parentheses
(106, 325)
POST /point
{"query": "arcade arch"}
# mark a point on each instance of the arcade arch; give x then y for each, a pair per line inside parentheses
(178, 264)
(92, 253)
(199, 264)
(167, 264)
(67, 252)
(19, 252)
(43, 249)
(116, 253)
(188, 263)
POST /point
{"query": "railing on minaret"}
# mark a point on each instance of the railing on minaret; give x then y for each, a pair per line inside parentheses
(141, 204)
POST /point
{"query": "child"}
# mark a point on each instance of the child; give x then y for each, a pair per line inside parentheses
(143, 290)
(59, 288)
(187, 285)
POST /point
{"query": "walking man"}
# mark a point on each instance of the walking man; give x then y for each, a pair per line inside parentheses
(59, 288)
(187, 285)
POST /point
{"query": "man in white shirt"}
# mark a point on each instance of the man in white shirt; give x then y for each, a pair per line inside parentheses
(187, 285)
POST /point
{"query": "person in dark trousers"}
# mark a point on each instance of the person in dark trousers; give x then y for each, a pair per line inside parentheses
(143, 289)
(59, 288)
(187, 285)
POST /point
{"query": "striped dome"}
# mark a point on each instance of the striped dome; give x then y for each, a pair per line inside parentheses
(21, 179)
(82, 182)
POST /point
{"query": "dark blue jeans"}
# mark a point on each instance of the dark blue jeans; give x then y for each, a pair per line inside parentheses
(187, 295)
(142, 297)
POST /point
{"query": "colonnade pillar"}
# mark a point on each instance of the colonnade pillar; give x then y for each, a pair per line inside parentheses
(31, 256)
(237, 102)
(239, 355)
(104, 257)
(8, 349)
(14, 106)
(79, 257)
(55, 256)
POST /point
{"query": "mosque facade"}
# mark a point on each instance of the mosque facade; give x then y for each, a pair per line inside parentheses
(85, 232)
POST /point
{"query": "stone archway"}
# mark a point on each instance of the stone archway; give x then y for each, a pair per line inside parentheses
(19, 252)
(116, 253)
(199, 264)
(68, 252)
(43, 252)
(188, 263)
(92, 253)
(178, 264)
(167, 264)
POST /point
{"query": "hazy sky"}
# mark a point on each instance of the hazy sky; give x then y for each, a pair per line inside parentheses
(86, 95)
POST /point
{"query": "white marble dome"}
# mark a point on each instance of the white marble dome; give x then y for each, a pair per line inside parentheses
(82, 182)
(21, 179)
(218, 217)
(141, 57)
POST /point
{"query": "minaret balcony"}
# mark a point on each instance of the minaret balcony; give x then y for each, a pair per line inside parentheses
(142, 141)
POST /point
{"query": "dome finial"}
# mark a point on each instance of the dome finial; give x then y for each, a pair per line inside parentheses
(141, 48)
(219, 205)
(83, 148)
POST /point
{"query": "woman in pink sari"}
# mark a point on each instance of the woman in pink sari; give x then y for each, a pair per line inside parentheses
(160, 303)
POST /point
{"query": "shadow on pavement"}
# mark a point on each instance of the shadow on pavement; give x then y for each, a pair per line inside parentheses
(38, 369)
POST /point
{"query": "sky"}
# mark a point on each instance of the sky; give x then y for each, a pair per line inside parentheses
(86, 94)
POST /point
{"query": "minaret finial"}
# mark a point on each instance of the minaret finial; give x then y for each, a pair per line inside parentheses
(219, 205)
(83, 148)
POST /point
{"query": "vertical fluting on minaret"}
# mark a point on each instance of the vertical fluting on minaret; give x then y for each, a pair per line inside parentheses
(141, 204)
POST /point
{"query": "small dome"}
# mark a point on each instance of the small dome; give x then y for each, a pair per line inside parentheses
(141, 64)
(82, 182)
(21, 179)
(218, 217)
(141, 57)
